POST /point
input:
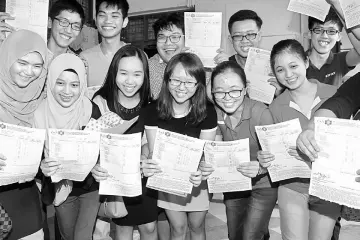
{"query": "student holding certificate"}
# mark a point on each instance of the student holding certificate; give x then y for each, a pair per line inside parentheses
(22, 78)
(67, 107)
(301, 216)
(182, 108)
(126, 92)
(248, 213)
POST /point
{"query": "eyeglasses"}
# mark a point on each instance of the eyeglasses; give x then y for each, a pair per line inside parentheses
(177, 83)
(250, 36)
(65, 23)
(232, 94)
(330, 31)
(173, 38)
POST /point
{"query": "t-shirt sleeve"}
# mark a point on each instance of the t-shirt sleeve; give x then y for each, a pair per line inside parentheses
(150, 116)
(275, 112)
(266, 117)
(343, 65)
(346, 100)
(210, 122)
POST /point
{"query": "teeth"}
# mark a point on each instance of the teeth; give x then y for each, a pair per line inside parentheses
(108, 28)
(65, 99)
(129, 89)
(246, 49)
(228, 104)
(65, 37)
(323, 43)
(181, 94)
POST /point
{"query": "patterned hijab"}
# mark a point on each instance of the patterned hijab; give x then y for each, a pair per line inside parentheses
(17, 105)
(50, 113)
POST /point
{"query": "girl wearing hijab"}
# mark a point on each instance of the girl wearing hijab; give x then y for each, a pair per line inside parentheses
(22, 78)
(67, 107)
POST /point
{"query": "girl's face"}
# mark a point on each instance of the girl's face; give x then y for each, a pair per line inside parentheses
(228, 91)
(181, 85)
(26, 69)
(130, 76)
(290, 70)
(67, 89)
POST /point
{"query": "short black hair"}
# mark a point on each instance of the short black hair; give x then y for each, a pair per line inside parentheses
(167, 21)
(67, 5)
(243, 15)
(121, 5)
(330, 17)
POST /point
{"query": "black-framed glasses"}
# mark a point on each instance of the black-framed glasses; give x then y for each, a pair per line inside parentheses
(250, 36)
(330, 31)
(177, 83)
(232, 94)
(173, 38)
(65, 23)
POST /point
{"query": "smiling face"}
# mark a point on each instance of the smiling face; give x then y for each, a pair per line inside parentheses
(323, 43)
(290, 70)
(130, 76)
(26, 69)
(181, 94)
(67, 89)
(226, 82)
(64, 36)
(110, 21)
(244, 28)
(168, 49)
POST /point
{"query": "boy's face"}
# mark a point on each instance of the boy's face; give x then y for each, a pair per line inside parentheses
(323, 41)
(64, 36)
(250, 34)
(171, 42)
(110, 21)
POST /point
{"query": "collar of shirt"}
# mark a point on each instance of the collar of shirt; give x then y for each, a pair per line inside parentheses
(321, 93)
(328, 60)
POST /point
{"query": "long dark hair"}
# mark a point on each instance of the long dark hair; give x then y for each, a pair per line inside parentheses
(194, 67)
(109, 90)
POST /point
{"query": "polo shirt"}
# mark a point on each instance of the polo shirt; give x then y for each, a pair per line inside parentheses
(233, 59)
(332, 72)
(346, 100)
(254, 114)
(284, 108)
(98, 65)
(156, 72)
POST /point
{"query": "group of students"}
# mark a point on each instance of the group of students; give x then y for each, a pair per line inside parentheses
(46, 87)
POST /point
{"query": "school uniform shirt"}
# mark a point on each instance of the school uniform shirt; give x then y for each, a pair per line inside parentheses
(156, 71)
(254, 114)
(332, 72)
(346, 100)
(198, 200)
(98, 65)
(284, 108)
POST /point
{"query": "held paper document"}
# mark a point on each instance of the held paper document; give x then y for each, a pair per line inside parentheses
(29, 14)
(225, 157)
(314, 8)
(203, 35)
(178, 156)
(334, 171)
(23, 149)
(277, 139)
(351, 10)
(77, 151)
(120, 156)
(258, 72)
